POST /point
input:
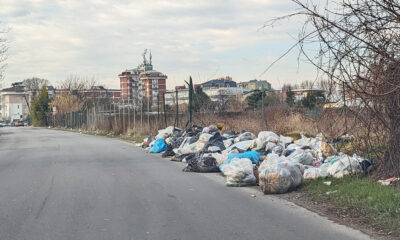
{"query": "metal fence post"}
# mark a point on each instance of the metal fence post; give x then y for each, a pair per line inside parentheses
(165, 113)
(177, 108)
(148, 112)
(129, 115)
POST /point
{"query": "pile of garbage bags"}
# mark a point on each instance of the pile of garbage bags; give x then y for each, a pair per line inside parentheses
(276, 163)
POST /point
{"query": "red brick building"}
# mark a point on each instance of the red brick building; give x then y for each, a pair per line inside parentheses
(142, 81)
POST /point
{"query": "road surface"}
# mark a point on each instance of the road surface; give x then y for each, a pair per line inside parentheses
(58, 185)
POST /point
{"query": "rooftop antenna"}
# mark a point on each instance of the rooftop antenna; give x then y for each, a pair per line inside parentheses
(144, 56)
(151, 57)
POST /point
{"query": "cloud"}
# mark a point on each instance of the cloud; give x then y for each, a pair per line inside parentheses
(56, 38)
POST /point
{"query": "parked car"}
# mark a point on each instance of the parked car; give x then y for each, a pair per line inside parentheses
(19, 124)
(3, 124)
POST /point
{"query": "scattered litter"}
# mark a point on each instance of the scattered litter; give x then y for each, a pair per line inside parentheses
(388, 181)
(328, 183)
(330, 192)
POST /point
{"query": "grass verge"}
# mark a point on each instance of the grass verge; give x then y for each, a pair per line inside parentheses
(380, 205)
(127, 137)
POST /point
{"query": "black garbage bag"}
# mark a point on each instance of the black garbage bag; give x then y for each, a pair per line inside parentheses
(195, 138)
(230, 133)
(176, 143)
(177, 132)
(216, 140)
(178, 158)
(169, 152)
(201, 162)
(366, 166)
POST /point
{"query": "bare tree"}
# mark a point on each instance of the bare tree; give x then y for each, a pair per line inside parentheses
(75, 84)
(35, 84)
(307, 84)
(3, 50)
(359, 48)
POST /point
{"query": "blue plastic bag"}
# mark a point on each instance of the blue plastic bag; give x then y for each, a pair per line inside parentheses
(252, 155)
(158, 146)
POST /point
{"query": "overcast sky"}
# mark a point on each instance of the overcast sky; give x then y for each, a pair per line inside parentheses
(54, 39)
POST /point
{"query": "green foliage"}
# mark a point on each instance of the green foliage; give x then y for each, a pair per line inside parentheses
(290, 97)
(201, 100)
(380, 203)
(313, 99)
(254, 101)
(40, 108)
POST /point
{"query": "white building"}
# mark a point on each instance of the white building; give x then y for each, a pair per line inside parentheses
(14, 103)
(215, 94)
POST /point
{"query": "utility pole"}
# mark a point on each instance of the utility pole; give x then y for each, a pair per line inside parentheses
(165, 114)
(134, 116)
(177, 108)
(262, 108)
(158, 109)
(123, 116)
(141, 112)
(148, 112)
(129, 114)
(190, 100)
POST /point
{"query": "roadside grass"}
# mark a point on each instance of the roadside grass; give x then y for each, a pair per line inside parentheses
(380, 204)
(130, 136)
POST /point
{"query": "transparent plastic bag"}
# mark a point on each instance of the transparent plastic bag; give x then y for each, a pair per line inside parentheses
(239, 172)
(279, 177)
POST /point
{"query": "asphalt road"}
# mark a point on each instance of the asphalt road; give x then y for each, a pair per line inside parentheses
(61, 185)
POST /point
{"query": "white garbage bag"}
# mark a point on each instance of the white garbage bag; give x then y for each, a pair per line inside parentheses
(257, 144)
(228, 142)
(242, 146)
(312, 173)
(301, 156)
(271, 158)
(239, 172)
(269, 146)
(344, 166)
(205, 137)
(285, 140)
(164, 133)
(245, 136)
(267, 136)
